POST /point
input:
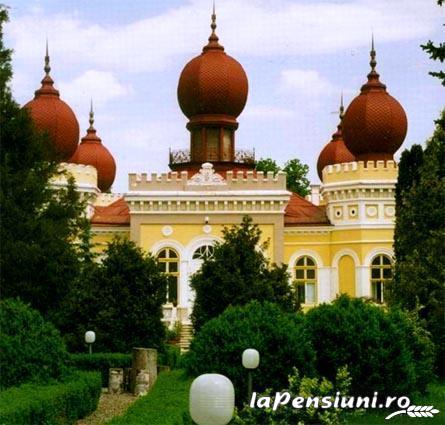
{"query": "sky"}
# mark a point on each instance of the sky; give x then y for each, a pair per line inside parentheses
(299, 55)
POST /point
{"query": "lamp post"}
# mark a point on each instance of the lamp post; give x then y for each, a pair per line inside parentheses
(212, 399)
(90, 337)
(251, 360)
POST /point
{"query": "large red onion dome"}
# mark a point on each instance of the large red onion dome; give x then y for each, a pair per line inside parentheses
(52, 115)
(91, 151)
(213, 83)
(375, 124)
(335, 152)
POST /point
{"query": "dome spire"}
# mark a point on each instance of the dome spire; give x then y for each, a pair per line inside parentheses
(47, 82)
(213, 43)
(342, 108)
(47, 67)
(91, 120)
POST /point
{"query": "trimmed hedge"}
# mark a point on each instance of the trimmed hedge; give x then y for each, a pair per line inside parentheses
(59, 404)
(102, 362)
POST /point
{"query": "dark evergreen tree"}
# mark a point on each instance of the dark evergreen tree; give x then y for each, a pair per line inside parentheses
(120, 299)
(39, 258)
(238, 273)
(436, 52)
(419, 279)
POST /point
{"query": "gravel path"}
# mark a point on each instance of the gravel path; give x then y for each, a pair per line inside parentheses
(110, 405)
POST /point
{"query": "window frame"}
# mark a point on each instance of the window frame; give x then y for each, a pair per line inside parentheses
(378, 283)
(305, 281)
(168, 260)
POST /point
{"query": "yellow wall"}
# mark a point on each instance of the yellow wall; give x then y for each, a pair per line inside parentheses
(101, 239)
(346, 275)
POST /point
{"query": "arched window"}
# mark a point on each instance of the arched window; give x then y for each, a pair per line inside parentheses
(306, 280)
(204, 252)
(169, 261)
(381, 273)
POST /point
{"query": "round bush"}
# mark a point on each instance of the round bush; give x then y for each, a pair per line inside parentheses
(32, 348)
(384, 351)
(278, 336)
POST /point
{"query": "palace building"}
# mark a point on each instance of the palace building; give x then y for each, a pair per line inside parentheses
(338, 240)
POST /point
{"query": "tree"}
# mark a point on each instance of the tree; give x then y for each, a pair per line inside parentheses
(39, 224)
(419, 278)
(436, 53)
(296, 172)
(238, 273)
(296, 180)
(120, 299)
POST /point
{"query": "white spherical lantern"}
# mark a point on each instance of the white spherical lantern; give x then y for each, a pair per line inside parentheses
(251, 358)
(90, 337)
(212, 399)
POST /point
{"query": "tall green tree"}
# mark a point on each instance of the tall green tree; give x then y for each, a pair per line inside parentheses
(238, 273)
(419, 279)
(120, 299)
(296, 173)
(39, 224)
(436, 52)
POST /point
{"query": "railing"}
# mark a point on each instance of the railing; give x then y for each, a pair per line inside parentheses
(181, 156)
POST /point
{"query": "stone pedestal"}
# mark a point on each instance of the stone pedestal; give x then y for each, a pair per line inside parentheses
(115, 380)
(144, 359)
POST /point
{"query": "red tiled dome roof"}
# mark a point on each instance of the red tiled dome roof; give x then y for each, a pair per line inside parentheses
(375, 124)
(54, 116)
(213, 83)
(301, 212)
(91, 151)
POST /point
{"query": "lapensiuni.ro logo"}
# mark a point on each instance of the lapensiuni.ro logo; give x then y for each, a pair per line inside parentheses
(344, 402)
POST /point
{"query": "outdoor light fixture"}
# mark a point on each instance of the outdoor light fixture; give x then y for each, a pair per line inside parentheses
(251, 360)
(90, 337)
(212, 399)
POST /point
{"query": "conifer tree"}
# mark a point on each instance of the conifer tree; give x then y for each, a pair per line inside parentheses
(38, 224)
(238, 273)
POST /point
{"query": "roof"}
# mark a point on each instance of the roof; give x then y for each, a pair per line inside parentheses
(301, 212)
(115, 214)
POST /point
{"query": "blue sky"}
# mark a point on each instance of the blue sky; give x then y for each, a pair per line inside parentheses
(298, 55)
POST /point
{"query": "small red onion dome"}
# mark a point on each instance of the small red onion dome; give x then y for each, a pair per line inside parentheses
(375, 124)
(91, 151)
(213, 83)
(54, 116)
(335, 152)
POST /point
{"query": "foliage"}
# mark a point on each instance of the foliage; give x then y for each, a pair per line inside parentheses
(170, 356)
(419, 278)
(120, 299)
(38, 260)
(301, 387)
(296, 174)
(165, 404)
(237, 273)
(32, 348)
(279, 337)
(384, 351)
(57, 404)
(436, 52)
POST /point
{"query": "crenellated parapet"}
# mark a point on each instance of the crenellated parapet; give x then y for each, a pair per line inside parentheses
(360, 194)
(105, 199)
(207, 180)
(85, 176)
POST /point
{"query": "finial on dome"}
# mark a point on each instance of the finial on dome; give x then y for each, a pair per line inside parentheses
(213, 39)
(342, 108)
(91, 120)
(47, 67)
(373, 62)
(213, 24)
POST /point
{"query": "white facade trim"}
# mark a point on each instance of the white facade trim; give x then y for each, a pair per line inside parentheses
(376, 251)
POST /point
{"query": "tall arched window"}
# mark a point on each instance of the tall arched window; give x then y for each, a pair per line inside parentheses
(204, 252)
(168, 259)
(306, 280)
(381, 273)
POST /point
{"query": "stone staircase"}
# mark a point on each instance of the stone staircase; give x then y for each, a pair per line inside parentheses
(185, 337)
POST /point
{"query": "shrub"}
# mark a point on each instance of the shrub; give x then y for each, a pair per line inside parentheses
(278, 336)
(61, 403)
(384, 351)
(301, 387)
(170, 356)
(32, 348)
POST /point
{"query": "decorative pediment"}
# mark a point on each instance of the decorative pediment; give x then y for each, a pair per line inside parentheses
(207, 177)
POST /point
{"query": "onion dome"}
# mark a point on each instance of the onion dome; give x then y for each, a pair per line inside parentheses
(375, 124)
(212, 93)
(335, 152)
(52, 115)
(91, 151)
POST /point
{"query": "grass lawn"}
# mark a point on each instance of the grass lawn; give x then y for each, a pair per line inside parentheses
(435, 397)
(165, 404)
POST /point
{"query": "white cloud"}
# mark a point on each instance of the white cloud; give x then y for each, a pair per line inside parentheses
(307, 83)
(101, 86)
